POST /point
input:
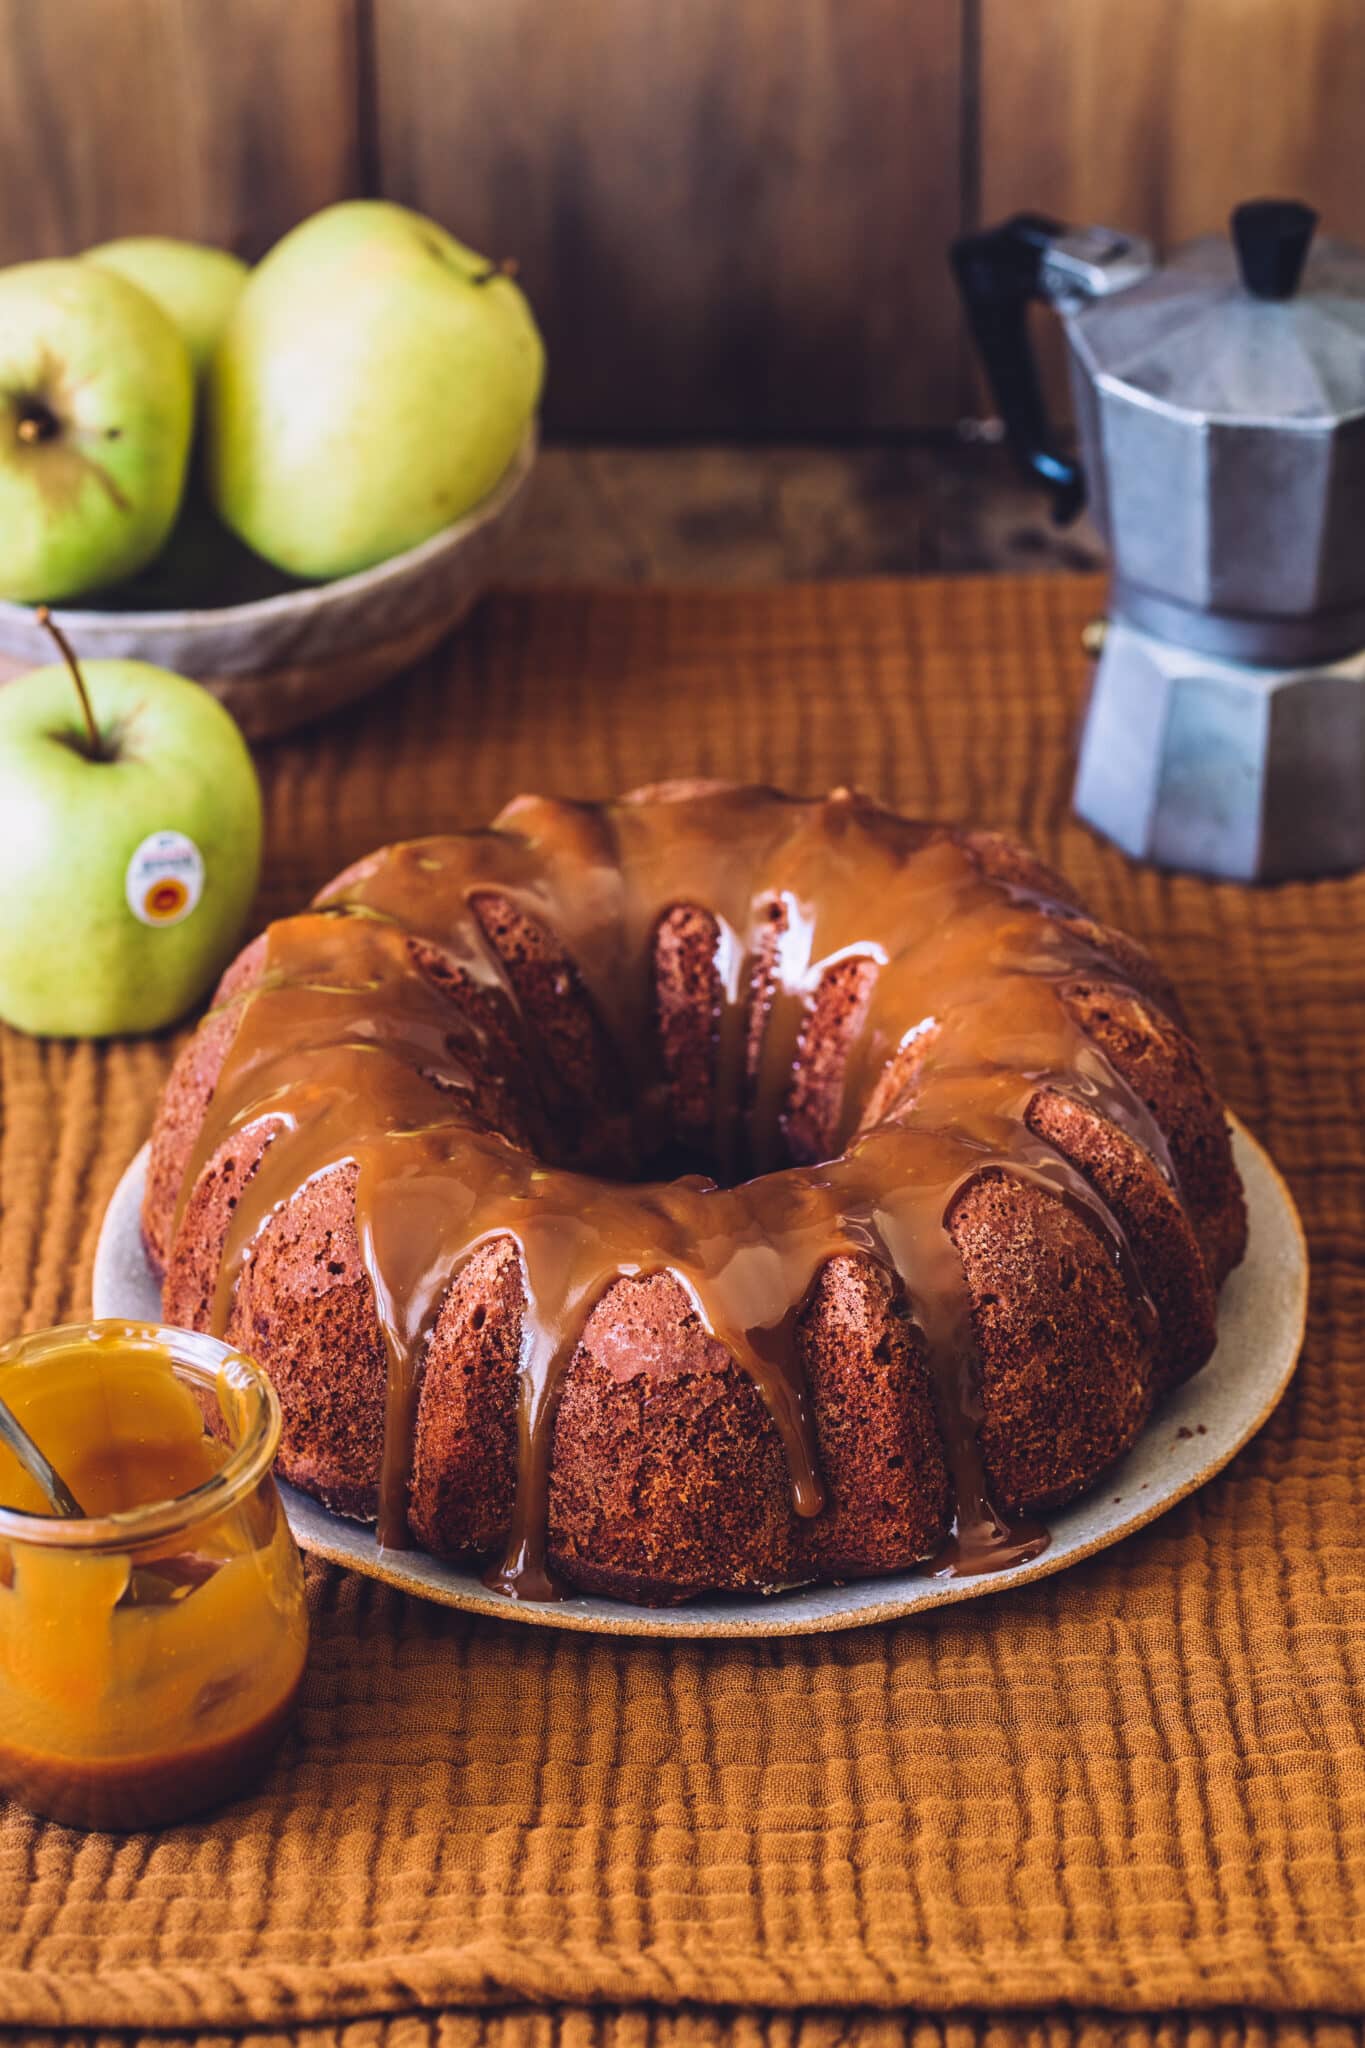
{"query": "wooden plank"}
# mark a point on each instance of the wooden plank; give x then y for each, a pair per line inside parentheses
(729, 213)
(221, 119)
(1160, 115)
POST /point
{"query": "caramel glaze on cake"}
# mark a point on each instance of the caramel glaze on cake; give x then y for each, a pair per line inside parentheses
(708, 1190)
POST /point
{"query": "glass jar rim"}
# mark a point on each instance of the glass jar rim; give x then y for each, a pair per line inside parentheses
(208, 1362)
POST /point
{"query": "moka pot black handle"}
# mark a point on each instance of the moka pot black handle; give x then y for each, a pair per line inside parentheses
(999, 274)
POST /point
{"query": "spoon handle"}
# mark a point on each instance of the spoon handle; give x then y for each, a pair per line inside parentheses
(59, 1495)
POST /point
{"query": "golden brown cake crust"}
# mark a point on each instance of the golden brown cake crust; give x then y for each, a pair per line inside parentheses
(668, 1475)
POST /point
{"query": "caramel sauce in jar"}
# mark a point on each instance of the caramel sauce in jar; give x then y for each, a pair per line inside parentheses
(150, 1650)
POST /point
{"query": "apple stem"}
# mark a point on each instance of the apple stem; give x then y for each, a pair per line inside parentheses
(94, 741)
(506, 266)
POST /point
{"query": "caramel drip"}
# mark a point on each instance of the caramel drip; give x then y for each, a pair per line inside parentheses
(346, 1054)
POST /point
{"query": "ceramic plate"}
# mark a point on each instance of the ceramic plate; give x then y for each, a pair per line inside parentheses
(1192, 1436)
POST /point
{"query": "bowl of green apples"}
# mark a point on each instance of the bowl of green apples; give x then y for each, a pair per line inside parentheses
(288, 482)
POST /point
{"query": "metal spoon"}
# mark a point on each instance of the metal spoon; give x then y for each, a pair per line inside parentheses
(38, 1466)
(148, 1585)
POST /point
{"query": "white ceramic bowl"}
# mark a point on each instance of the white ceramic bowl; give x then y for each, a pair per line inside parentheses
(279, 660)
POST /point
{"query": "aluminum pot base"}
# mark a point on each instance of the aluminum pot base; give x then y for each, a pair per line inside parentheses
(1248, 774)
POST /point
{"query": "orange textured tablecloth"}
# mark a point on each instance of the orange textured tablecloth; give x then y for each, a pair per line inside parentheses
(1137, 1788)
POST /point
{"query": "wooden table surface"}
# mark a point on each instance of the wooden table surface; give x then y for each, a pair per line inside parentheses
(716, 513)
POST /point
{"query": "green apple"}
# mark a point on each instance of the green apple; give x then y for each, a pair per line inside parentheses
(96, 414)
(193, 283)
(131, 847)
(371, 386)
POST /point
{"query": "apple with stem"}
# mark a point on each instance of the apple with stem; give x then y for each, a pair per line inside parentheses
(131, 848)
(372, 385)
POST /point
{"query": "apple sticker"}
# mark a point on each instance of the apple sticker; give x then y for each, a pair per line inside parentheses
(165, 878)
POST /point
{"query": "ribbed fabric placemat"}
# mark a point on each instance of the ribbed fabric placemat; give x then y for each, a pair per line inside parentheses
(1136, 1787)
(700, 2027)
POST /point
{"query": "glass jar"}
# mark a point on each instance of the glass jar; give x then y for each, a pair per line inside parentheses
(151, 1649)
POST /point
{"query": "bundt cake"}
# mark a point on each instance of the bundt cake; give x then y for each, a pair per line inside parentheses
(708, 1190)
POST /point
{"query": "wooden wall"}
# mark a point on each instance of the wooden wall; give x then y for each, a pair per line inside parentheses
(731, 214)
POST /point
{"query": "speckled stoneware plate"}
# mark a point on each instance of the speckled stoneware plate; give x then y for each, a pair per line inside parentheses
(1193, 1435)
